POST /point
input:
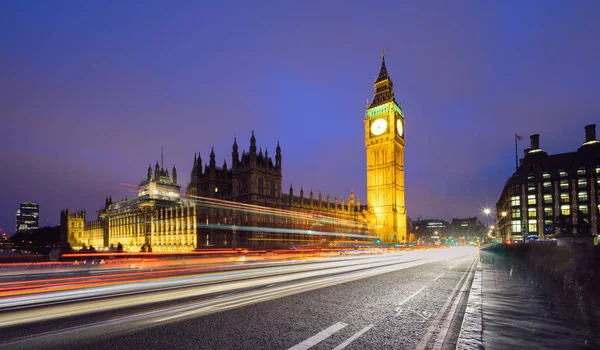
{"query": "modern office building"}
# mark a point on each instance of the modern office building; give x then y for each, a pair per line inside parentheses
(28, 217)
(546, 186)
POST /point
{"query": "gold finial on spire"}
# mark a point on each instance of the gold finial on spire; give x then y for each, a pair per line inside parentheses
(382, 51)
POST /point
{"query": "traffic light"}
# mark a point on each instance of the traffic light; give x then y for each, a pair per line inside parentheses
(378, 241)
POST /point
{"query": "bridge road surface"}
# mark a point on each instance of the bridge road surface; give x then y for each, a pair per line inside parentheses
(419, 306)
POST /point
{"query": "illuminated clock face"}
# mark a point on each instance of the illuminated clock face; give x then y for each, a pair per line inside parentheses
(378, 127)
(399, 127)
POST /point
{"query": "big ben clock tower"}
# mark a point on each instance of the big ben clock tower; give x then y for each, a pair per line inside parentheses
(384, 140)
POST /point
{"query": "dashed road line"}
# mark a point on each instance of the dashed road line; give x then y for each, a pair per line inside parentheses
(354, 337)
(435, 279)
(411, 296)
(319, 337)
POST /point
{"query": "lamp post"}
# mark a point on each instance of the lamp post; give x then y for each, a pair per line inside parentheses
(487, 212)
(503, 214)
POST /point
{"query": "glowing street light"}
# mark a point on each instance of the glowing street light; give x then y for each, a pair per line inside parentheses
(504, 214)
(487, 211)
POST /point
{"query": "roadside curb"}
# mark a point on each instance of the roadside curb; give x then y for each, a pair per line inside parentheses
(471, 331)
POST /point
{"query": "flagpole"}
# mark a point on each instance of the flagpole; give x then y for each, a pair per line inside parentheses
(516, 155)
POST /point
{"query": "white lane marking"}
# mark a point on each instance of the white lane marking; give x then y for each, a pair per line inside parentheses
(354, 337)
(455, 265)
(432, 327)
(411, 296)
(435, 279)
(319, 337)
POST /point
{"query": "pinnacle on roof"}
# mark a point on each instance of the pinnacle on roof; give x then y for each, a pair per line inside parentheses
(384, 88)
(383, 73)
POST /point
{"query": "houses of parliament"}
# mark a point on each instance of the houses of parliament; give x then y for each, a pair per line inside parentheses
(244, 205)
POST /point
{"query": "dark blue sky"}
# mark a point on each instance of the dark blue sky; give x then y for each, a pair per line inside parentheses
(91, 90)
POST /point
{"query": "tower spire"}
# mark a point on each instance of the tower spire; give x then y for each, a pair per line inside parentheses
(384, 88)
(383, 73)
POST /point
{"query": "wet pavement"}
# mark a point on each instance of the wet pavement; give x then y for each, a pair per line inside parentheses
(521, 311)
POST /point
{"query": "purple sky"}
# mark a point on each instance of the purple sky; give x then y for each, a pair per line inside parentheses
(91, 90)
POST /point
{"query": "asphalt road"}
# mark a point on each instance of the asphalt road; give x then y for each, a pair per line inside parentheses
(397, 301)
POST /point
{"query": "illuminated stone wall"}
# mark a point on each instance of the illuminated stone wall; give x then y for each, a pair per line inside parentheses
(93, 234)
(157, 220)
(72, 225)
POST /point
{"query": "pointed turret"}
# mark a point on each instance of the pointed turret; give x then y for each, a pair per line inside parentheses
(225, 167)
(383, 73)
(149, 177)
(193, 174)
(174, 173)
(278, 156)
(156, 171)
(213, 163)
(384, 88)
(252, 146)
(235, 158)
(267, 156)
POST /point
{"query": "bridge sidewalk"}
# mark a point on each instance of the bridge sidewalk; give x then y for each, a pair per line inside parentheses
(507, 309)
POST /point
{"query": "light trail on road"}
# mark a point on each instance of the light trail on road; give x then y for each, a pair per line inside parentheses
(200, 293)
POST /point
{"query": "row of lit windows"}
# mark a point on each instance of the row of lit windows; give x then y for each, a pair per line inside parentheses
(562, 173)
(565, 198)
(532, 226)
(565, 209)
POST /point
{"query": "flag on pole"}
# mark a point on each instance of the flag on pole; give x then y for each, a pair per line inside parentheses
(517, 138)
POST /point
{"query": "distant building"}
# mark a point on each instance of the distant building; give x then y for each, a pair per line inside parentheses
(546, 186)
(431, 225)
(423, 230)
(28, 217)
(467, 227)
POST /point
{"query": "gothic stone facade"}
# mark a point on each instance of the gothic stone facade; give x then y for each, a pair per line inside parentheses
(255, 213)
